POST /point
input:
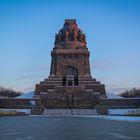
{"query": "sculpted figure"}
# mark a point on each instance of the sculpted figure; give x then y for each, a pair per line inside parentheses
(75, 35)
(81, 38)
(56, 38)
(59, 37)
(67, 35)
(71, 35)
(79, 35)
(62, 35)
(84, 38)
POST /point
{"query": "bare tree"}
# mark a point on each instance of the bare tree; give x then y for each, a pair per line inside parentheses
(133, 93)
(6, 92)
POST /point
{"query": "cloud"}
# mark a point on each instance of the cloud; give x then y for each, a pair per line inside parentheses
(30, 76)
(102, 65)
(116, 88)
(33, 73)
(29, 88)
(38, 68)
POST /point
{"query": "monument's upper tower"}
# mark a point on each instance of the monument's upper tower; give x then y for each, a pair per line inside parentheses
(70, 52)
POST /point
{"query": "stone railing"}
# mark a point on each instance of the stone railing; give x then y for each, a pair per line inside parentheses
(121, 103)
(13, 103)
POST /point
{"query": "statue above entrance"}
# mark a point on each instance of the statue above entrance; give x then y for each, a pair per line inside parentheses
(70, 32)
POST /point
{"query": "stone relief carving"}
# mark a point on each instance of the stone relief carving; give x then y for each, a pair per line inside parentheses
(70, 35)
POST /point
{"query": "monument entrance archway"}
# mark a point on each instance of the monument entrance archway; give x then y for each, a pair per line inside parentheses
(71, 77)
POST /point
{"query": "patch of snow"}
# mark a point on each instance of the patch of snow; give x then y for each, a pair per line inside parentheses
(32, 102)
(113, 96)
(121, 111)
(28, 95)
(124, 118)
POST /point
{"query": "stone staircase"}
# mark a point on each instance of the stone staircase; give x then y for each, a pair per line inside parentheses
(67, 112)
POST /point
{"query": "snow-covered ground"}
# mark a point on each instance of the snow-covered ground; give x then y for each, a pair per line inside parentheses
(123, 118)
(112, 96)
(122, 111)
(28, 95)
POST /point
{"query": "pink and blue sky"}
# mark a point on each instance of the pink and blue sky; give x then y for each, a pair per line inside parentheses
(28, 27)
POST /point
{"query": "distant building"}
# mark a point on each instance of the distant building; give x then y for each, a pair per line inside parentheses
(70, 84)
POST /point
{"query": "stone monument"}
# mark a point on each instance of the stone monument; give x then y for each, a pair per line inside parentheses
(70, 84)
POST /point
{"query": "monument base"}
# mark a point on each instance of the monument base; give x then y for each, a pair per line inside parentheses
(86, 94)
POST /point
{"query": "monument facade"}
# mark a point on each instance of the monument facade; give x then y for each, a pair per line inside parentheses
(70, 84)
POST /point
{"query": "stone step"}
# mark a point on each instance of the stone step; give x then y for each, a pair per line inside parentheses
(70, 87)
(89, 90)
(87, 79)
(67, 112)
(57, 112)
(85, 112)
(51, 82)
(80, 78)
(93, 86)
(90, 85)
(60, 82)
(89, 82)
(53, 79)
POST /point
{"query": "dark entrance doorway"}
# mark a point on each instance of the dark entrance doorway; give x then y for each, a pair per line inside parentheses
(64, 81)
(76, 80)
(71, 77)
(70, 82)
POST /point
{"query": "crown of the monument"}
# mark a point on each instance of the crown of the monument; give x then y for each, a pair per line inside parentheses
(70, 33)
